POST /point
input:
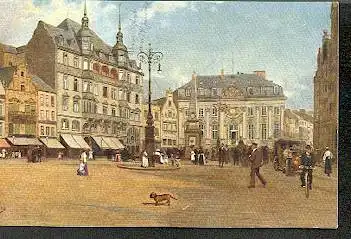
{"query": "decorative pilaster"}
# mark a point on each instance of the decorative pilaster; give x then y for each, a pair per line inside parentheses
(244, 124)
(270, 108)
(257, 122)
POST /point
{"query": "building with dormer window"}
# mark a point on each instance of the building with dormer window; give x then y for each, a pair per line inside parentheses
(92, 81)
(227, 108)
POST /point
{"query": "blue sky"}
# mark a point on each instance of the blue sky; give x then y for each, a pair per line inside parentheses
(281, 38)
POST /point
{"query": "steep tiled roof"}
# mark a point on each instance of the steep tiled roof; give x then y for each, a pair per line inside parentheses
(41, 85)
(289, 114)
(6, 75)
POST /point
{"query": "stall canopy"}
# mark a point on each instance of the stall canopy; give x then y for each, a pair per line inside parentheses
(52, 143)
(108, 142)
(22, 141)
(75, 141)
(4, 144)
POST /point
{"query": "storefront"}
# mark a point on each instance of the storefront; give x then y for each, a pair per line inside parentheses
(74, 145)
(52, 147)
(21, 145)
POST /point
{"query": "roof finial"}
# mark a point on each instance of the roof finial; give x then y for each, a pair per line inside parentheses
(85, 8)
(119, 17)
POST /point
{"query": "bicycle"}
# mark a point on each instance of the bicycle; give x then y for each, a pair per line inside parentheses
(307, 183)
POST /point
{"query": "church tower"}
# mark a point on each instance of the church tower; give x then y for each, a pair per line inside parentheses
(84, 34)
(119, 50)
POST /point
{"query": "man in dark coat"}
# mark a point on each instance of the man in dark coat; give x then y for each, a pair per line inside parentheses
(256, 160)
(221, 156)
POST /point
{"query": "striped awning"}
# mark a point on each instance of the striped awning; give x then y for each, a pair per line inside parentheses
(52, 143)
(75, 141)
(23, 141)
(79, 139)
(101, 142)
(108, 142)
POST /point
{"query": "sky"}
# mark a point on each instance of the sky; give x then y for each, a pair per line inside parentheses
(281, 38)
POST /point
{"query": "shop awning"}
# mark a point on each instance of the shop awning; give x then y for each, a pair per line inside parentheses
(52, 143)
(22, 141)
(100, 141)
(70, 141)
(108, 142)
(117, 143)
(4, 144)
(80, 140)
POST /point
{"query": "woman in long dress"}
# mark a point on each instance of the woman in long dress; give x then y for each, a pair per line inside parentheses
(327, 157)
(192, 156)
(145, 160)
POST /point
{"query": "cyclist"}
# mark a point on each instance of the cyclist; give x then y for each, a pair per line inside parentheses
(306, 162)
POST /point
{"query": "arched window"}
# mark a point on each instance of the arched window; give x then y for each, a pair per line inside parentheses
(75, 125)
(114, 73)
(96, 67)
(104, 70)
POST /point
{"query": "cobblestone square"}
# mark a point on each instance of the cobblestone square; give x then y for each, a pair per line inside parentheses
(51, 194)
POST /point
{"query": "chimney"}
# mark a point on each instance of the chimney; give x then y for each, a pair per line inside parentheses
(261, 74)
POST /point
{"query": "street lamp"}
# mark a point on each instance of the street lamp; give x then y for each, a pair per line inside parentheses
(150, 57)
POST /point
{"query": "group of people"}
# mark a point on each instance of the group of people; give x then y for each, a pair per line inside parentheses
(162, 157)
(197, 156)
(307, 163)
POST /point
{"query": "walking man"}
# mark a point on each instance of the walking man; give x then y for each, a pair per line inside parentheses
(256, 160)
(327, 160)
(221, 155)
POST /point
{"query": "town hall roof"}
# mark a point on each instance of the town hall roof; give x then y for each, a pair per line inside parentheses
(242, 82)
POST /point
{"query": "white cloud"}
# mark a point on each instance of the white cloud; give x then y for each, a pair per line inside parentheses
(161, 7)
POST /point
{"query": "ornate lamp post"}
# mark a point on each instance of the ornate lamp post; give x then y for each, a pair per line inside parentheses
(150, 57)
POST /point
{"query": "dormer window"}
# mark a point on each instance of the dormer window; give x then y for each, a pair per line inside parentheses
(187, 92)
(92, 47)
(276, 90)
(250, 91)
(214, 91)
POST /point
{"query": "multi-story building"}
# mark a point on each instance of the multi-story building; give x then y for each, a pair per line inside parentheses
(168, 120)
(46, 108)
(231, 107)
(98, 88)
(21, 106)
(326, 81)
(305, 124)
(298, 125)
(11, 56)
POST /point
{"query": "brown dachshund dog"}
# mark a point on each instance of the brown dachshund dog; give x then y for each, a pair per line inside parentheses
(162, 197)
